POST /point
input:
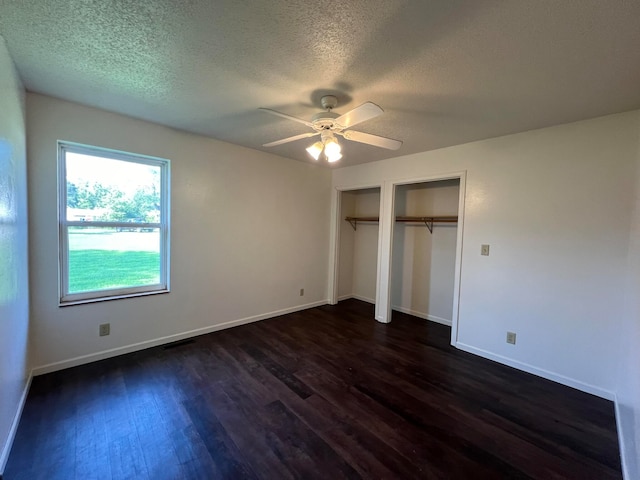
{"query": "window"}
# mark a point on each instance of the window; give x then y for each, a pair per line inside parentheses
(113, 224)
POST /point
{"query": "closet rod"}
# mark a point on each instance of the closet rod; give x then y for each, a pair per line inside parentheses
(428, 221)
(354, 220)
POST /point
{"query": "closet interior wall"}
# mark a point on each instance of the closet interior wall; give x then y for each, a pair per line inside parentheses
(423, 263)
(358, 260)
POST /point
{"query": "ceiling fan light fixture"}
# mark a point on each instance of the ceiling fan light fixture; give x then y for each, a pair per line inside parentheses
(329, 124)
(315, 150)
(332, 148)
(333, 157)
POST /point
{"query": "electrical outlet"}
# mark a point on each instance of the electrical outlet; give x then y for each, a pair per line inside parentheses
(484, 250)
(302, 292)
(511, 338)
(105, 329)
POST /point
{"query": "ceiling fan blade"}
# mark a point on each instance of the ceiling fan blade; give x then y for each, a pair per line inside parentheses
(291, 139)
(284, 115)
(359, 114)
(375, 140)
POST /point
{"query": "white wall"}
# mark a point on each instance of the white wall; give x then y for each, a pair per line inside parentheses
(14, 288)
(345, 262)
(423, 263)
(555, 206)
(249, 230)
(365, 244)
(628, 388)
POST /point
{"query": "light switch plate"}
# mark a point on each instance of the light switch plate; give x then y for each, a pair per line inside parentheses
(484, 250)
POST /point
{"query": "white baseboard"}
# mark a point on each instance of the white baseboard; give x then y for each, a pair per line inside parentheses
(364, 299)
(408, 311)
(114, 352)
(555, 377)
(357, 297)
(426, 316)
(6, 449)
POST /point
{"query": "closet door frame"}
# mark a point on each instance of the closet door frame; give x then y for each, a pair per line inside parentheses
(387, 224)
(336, 227)
(385, 242)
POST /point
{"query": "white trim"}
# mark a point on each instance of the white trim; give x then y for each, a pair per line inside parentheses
(114, 352)
(6, 449)
(540, 372)
(67, 298)
(359, 186)
(385, 252)
(429, 178)
(383, 299)
(621, 442)
(455, 314)
(408, 311)
(425, 316)
(336, 225)
(626, 474)
(112, 297)
(334, 247)
(372, 301)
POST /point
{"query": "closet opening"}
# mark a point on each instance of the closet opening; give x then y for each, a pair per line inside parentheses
(424, 251)
(359, 233)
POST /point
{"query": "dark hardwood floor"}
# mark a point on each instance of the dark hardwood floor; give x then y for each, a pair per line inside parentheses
(325, 393)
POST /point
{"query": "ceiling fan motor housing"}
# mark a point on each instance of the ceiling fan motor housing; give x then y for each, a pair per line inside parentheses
(329, 102)
(324, 120)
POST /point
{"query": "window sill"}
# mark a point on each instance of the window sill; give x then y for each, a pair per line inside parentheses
(69, 303)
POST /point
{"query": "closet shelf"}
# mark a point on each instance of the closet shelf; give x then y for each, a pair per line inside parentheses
(428, 221)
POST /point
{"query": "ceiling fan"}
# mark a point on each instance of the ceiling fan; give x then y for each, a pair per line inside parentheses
(328, 125)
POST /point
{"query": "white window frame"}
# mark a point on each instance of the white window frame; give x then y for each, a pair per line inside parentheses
(67, 298)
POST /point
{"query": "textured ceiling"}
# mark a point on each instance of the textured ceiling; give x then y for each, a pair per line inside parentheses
(445, 72)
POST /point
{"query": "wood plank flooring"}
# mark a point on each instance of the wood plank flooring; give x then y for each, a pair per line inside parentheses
(325, 393)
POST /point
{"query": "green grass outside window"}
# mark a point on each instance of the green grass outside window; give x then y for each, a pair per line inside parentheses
(104, 269)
